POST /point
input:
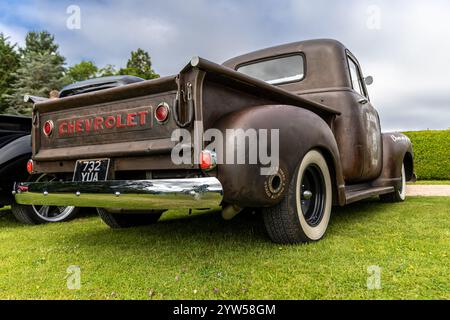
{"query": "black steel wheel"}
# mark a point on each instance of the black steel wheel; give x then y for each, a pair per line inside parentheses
(313, 195)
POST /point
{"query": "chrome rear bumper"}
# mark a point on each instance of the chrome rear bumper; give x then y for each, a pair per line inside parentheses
(198, 193)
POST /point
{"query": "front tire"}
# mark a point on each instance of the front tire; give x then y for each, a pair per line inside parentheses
(304, 214)
(399, 195)
(129, 219)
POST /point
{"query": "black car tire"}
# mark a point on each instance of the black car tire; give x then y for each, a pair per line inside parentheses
(34, 215)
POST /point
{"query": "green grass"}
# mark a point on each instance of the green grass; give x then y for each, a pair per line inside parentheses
(432, 154)
(431, 182)
(204, 257)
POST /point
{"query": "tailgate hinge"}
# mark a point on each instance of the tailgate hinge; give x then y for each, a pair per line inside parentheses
(184, 98)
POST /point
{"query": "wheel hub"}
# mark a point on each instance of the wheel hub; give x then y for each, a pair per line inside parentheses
(51, 213)
(307, 195)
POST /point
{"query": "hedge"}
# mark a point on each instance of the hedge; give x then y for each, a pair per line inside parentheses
(431, 154)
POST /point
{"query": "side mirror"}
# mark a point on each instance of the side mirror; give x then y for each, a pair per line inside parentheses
(368, 80)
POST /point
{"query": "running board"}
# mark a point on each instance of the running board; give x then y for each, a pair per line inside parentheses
(361, 194)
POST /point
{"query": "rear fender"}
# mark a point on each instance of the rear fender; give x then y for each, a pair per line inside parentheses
(300, 131)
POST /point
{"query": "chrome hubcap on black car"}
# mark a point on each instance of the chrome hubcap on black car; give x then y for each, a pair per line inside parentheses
(51, 213)
(313, 195)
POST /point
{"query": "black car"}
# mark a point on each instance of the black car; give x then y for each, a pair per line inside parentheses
(15, 152)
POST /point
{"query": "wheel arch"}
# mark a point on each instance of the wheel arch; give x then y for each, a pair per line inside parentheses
(338, 186)
(15, 149)
(408, 161)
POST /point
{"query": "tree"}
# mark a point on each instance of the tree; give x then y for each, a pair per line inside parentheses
(107, 71)
(42, 42)
(41, 71)
(9, 62)
(82, 71)
(139, 65)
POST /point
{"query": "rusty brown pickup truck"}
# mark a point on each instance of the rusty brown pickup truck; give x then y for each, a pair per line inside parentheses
(290, 130)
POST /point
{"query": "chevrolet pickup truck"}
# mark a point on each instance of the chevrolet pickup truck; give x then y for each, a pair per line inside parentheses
(290, 130)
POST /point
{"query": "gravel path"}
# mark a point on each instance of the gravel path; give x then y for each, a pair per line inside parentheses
(428, 191)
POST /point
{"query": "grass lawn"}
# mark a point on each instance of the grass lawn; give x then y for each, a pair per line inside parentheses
(204, 257)
(433, 182)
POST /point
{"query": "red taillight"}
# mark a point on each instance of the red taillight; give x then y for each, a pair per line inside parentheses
(30, 166)
(162, 113)
(208, 160)
(22, 188)
(48, 128)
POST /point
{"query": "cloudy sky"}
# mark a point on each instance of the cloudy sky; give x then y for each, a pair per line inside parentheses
(405, 45)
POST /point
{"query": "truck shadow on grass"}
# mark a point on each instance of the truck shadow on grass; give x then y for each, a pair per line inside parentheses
(7, 218)
(179, 229)
(208, 227)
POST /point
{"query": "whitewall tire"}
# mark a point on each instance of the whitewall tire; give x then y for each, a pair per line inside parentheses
(304, 214)
(399, 195)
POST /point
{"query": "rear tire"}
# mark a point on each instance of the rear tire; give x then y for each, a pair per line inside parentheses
(128, 220)
(304, 214)
(399, 195)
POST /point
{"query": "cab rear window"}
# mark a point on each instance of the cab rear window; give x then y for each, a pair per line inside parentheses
(277, 71)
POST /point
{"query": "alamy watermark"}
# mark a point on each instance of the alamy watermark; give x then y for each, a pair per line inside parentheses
(234, 146)
(73, 22)
(374, 277)
(373, 21)
(73, 278)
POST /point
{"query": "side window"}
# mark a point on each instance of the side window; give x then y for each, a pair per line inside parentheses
(355, 76)
(276, 71)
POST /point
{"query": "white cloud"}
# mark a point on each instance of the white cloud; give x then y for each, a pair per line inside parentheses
(15, 34)
(408, 56)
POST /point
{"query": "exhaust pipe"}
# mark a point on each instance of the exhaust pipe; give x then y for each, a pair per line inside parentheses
(231, 211)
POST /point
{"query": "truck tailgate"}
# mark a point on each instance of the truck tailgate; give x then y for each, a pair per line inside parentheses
(120, 120)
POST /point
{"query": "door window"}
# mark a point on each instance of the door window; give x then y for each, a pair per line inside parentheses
(355, 76)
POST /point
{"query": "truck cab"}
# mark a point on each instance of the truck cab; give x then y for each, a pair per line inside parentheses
(338, 83)
(326, 72)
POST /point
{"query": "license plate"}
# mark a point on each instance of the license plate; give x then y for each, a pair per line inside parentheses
(91, 170)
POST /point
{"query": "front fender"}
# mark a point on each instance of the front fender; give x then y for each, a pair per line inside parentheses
(15, 149)
(13, 159)
(300, 131)
(397, 150)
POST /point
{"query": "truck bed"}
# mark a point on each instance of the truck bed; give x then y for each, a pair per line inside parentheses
(216, 91)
